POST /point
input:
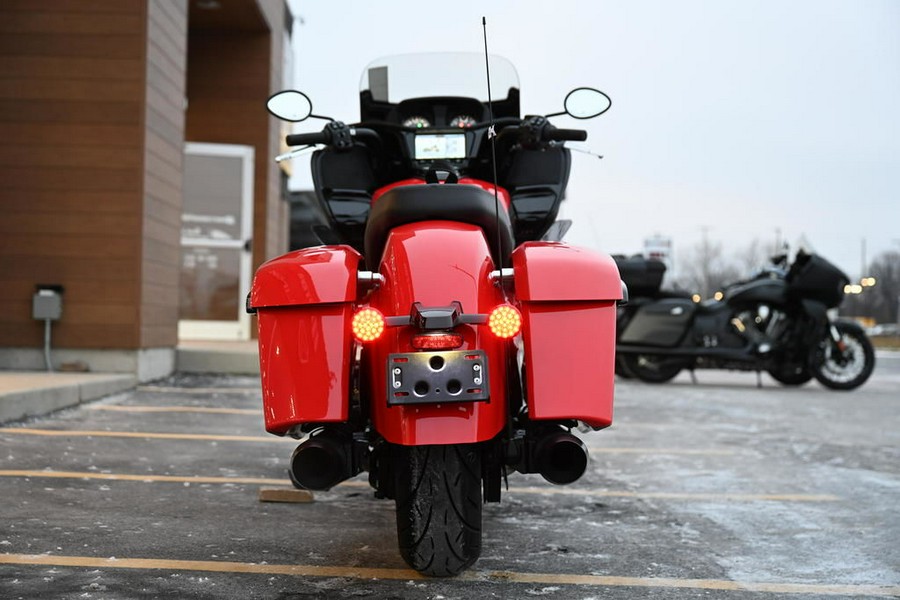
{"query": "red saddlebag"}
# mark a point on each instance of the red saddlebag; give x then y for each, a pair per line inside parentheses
(568, 297)
(304, 303)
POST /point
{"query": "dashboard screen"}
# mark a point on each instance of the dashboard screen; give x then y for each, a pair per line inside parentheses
(435, 146)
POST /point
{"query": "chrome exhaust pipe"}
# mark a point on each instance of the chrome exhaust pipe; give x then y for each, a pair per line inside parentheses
(560, 457)
(321, 462)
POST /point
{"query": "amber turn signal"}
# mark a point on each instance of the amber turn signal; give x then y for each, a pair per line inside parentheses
(505, 321)
(367, 325)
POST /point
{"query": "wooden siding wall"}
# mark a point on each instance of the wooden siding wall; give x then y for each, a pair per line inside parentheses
(92, 127)
(163, 160)
(277, 224)
(231, 75)
(71, 168)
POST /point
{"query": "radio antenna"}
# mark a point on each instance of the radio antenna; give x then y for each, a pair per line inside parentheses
(492, 136)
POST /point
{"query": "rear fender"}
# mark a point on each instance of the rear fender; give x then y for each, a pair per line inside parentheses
(436, 263)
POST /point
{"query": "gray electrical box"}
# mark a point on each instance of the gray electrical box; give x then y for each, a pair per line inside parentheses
(47, 303)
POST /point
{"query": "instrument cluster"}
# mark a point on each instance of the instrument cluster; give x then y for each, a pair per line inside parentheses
(440, 113)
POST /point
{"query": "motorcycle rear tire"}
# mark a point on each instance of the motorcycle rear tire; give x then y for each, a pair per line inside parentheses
(649, 367)
(438, 506)
(838, 375)
(791, 375)
(621, 370)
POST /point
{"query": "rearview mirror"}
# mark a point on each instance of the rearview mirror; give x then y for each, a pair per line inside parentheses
(586, 103)
(290, 105)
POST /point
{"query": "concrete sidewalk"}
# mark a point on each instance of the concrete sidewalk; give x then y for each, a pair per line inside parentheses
(31, 393)
(26, 394)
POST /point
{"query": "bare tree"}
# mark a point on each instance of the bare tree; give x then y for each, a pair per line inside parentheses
(704, 269)
(753, 257)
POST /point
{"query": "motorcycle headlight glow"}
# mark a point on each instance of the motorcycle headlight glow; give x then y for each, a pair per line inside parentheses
(505, 321)
(367, 325)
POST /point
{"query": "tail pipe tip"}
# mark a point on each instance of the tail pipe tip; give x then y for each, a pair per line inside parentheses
(561, 458)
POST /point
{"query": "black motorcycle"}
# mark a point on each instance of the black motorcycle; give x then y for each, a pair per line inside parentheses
(775, 322)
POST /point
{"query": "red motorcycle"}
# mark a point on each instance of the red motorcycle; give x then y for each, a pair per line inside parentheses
(438, 341)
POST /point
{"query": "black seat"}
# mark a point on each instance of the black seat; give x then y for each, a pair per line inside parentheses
(437, 202)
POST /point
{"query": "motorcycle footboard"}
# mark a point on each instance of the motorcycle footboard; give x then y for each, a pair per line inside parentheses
(437, 377)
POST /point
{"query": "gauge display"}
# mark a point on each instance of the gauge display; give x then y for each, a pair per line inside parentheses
(416, 122)
(440, 146)
(463, 121)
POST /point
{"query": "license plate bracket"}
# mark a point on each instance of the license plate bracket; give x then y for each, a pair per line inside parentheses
(437, 377)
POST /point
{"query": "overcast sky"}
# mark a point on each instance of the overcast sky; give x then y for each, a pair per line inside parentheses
(739, 117)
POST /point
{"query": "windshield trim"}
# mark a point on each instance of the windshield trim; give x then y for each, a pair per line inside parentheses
(458, 74)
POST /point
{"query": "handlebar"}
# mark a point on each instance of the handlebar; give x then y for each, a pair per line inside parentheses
(335, 133)
(533, 131)
(564, 135)
(308, 139)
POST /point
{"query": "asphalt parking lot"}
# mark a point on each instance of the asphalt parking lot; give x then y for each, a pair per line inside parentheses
(717, 489)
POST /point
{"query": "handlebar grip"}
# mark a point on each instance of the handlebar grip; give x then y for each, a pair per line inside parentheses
(564, 135)
(301, 139)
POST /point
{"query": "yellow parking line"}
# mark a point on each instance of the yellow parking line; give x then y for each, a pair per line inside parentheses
(700, 497)
(272, 438)
(515, 490)
(144, 435)
(651, 450)
(175, 409)
(501, 577)
(145, 478)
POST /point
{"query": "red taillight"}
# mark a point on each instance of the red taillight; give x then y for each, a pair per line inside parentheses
(505, 321)
(367, 325)
(437, 341)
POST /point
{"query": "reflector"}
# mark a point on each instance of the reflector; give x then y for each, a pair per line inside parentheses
(505, 321)
(437, 341)
(367, 324)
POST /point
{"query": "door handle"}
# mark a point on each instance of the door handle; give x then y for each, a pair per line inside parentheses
(248, 245)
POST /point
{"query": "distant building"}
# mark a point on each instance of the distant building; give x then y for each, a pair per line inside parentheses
(659, 247)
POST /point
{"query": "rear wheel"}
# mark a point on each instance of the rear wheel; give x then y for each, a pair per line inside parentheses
(651, 368)
(846, 364)
(438, 502)
(791, 374)
(621, 369)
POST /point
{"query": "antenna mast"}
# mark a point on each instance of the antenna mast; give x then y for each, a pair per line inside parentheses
(492, 135)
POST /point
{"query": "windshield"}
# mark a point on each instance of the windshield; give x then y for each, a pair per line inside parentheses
(405, 76)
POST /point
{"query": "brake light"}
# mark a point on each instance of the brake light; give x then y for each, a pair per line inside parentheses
(367, 325)
(437, 341)
(505, 321)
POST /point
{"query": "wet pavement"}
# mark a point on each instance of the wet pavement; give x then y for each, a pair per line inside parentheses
(712, 490)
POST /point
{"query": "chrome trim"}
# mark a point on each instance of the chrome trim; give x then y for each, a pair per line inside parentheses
(501, 275)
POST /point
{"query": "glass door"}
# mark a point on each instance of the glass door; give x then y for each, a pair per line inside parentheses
(216, 230)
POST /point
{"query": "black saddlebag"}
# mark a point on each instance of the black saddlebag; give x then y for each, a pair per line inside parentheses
(661, 323)
(643, 276)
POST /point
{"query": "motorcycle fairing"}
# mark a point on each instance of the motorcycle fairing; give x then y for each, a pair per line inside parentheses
(662, 323)
(437, 263)
(304, 301)
(344, 182)
(536, 180)
(765, 291)
(568, 298)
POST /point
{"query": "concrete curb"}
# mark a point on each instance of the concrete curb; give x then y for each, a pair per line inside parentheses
(211, 360)
(30, 394)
